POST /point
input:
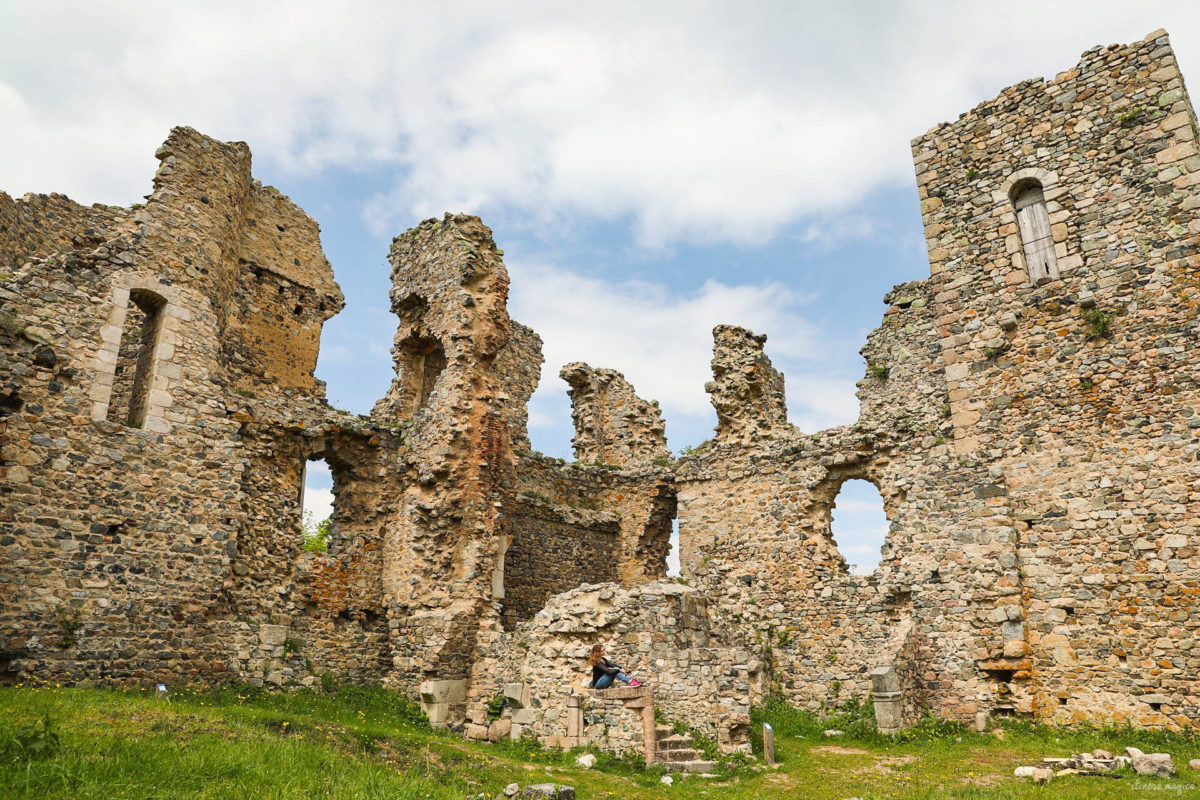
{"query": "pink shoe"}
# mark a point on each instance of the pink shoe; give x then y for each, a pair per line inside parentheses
(633, 684)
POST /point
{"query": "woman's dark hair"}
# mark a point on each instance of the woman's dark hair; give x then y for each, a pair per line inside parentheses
(596, 655)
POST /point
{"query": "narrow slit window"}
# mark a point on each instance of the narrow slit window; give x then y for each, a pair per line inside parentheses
(1033, 219)
(134, 372)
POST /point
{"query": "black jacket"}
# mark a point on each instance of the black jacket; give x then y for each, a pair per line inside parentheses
(603, 667)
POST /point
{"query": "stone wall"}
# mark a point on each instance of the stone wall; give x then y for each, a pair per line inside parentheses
(661, 632)
(152, 443)
(1029, 427)
(553, 549)
(1029, 436)
(613, 425)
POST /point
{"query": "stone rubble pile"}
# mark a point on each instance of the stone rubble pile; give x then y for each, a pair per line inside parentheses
(1102, 763)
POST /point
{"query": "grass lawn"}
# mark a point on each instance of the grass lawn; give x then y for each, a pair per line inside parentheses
(367, 743)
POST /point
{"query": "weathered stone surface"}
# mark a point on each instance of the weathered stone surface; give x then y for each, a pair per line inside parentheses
(612, 424)
(1159, 765)
(1033, 441)
(553, 791)
(1033, 437)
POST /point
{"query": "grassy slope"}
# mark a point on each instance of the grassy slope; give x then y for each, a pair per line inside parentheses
(369, 744)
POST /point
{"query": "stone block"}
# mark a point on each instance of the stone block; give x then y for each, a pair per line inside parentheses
(885, 679)
(549, 791)
(499, 729)
(444, 691)
(517, 694)
(273, 635)
(1154, 764)
(1041, 775)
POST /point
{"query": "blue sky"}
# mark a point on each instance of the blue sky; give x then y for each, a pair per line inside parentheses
(650, 170)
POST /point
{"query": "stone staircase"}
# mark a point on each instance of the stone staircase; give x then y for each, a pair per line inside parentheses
(662, 744)
(675, 752)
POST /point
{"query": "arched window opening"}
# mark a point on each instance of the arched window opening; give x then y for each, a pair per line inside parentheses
(422, 360)
(860, 525)
(317, 506)
(1033, 220)
(133, 376)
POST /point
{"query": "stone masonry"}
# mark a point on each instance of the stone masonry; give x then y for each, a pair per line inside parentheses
(1031, 435)
(1027, 413)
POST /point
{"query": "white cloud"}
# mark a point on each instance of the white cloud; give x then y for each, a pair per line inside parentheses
(662, 341)
(318, 502)
(695, 121)
(860, 526)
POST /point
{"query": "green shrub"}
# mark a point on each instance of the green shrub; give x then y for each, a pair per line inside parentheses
(495, 707)
(69, 622)
(1099, 323)
(1129, 117)
(316, 535)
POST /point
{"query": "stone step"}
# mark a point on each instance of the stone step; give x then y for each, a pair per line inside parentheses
(691, 766)
(675, 741)
(685, 754)
(662, 731)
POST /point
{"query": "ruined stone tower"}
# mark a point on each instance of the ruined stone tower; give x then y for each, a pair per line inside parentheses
(1026, 415)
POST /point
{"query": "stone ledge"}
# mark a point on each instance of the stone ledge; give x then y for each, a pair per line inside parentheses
(621, 693)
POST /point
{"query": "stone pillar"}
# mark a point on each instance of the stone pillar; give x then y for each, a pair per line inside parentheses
(768, 744)
(641, 698)
(889, 704)
(574, 721)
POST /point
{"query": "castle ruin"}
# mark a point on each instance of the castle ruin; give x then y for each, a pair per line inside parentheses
(1028, 414)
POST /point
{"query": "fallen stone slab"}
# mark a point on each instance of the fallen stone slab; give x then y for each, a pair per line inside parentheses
(1158, 765)
(549, 791)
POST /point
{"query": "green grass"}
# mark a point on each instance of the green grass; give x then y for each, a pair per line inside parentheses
(368, 743)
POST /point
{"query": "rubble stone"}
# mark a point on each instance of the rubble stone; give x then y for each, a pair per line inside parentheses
(1159, 765)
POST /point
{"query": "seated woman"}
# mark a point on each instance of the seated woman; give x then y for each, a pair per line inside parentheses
(604, 672)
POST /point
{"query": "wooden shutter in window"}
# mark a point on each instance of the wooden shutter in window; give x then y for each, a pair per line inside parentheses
(1034, 222)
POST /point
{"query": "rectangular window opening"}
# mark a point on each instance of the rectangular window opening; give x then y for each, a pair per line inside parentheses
(133, 376)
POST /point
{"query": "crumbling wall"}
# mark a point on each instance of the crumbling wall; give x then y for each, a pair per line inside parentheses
(519, 364)
(661, 632)
(40, 225)
(440, 551)
(1028, 434)
(747, 392)
(127, 528)
(612, 424)
(552, 549)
